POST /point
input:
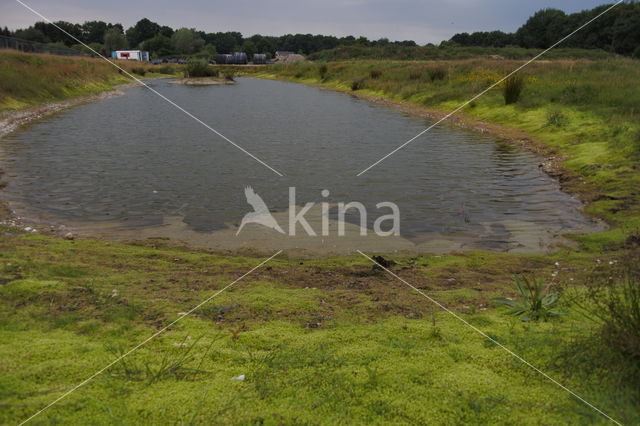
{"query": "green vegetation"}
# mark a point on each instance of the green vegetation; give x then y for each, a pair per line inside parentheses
(535, 300)
(328, 339)
(199, 68)
(615, 31)
(28, 80)
(397, 52)
(513, 87)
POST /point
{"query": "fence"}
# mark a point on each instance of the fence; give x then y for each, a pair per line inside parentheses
(35, 47)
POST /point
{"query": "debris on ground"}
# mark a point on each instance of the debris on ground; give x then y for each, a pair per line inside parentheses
(382, 263)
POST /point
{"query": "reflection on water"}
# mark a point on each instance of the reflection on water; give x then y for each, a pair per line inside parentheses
(136, 160)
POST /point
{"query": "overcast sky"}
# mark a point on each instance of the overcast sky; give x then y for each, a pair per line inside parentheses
(420, 20)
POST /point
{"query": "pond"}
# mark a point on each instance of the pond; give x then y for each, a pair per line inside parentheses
(135, 166)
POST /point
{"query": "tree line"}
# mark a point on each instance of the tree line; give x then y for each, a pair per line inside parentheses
(616, 31)
(164, 41)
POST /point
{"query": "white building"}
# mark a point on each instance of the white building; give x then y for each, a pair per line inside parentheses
(135, 55)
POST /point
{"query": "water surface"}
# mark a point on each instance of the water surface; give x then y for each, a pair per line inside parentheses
(136, 162)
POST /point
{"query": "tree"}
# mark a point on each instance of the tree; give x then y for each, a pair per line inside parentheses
(93, 31)
(32, 34)
(249, 47)
(166, 31)
(543, 29)
(143, 30)
(158, 46)
(208, 51)
(185, 41)
(114, 39)
(224, 42)
(53, 34)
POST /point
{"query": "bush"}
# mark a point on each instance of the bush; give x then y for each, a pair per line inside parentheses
(415, 75)
(536, 301)
(229, 75)
(513, 87)
(375, 74)
(322, 70)
(357, 85)
(199, 68)
(437, 74)
(556, 118)
(164, 70)
(138, 70)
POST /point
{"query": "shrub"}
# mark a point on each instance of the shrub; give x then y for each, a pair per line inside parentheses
(513, 87)
(375, 74)
(415, 75)
(138, 70)
(556, 118)
(357, 85)
(437, 74)
(536, 301)
(164, 70)
(229, 75)
(199, 68)
(322, 70)
(613, 300)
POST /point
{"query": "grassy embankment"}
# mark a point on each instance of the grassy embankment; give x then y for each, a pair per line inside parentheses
(324, 341)
(30, 80)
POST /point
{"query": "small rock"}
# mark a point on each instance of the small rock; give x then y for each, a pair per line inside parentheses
(69, 236)
(239, 378)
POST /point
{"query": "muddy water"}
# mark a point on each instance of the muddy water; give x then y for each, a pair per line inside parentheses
(134, 166)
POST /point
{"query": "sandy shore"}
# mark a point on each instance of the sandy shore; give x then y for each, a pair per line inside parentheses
(203, 81)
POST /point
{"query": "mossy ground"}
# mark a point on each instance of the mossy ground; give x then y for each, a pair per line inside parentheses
(319, 341)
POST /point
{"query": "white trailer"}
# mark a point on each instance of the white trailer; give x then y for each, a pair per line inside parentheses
(135, 55)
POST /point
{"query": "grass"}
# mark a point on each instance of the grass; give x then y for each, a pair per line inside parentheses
(583, 113)
(27, 79)
(326, 338)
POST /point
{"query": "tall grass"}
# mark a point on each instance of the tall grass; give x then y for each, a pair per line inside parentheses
(512, 89)
(613, 300)
(28, 79)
